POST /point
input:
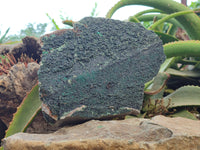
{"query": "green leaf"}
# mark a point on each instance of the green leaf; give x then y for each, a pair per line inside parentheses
(173, 15)
(94, 13)
(185, 114)
(166, 38)
(148, 11)
(168, 63)
(158, 83)
(188, 48)
(3, 37)
(150, 17)
(27, 110)
(190, 22)
(154, 90)
(53, 21)
(185, 73)
(68, 22)
(184, 96)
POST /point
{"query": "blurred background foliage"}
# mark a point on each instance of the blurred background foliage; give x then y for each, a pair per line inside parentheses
(39, 29)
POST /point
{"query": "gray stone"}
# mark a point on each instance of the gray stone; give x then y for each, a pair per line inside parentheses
(97, 69)
(159, 133)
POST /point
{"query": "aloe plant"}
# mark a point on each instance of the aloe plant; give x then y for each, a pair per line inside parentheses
(173, 15)
(179, 54)
(190, 22)
(184, 96)
(150, 17)
(182, 48)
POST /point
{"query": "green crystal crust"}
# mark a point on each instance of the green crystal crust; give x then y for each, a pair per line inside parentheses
(98, 69)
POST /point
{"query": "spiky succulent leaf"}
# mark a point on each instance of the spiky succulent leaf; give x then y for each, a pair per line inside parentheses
(25, 112)
(190, 48)
(184, 96)
(185, 73)
(184, 114)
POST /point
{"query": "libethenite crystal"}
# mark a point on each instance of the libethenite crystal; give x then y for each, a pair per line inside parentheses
(97, 69)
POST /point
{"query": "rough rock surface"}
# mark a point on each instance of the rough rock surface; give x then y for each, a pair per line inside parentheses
(97, 69)
(14, 86)
(159, 133)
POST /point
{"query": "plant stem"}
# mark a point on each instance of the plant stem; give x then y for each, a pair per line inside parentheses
(176, 14)
(148, 11)
(191, 22)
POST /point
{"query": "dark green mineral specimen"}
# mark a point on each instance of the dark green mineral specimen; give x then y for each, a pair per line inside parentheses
(97, 69)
